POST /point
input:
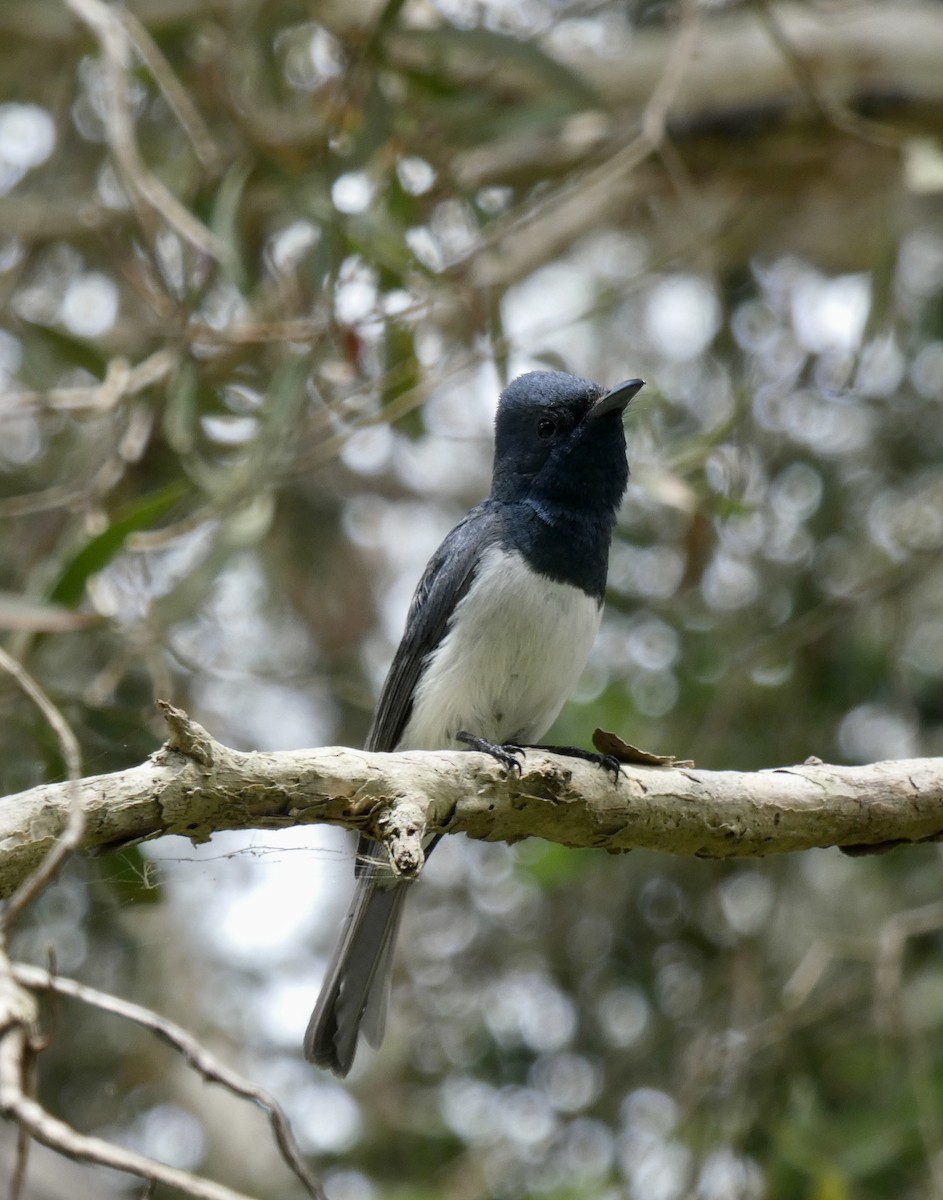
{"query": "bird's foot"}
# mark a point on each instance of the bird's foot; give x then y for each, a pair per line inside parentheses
(608, 762)
(508, 755)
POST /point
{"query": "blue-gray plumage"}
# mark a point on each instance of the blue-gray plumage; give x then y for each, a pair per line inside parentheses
(497, 634)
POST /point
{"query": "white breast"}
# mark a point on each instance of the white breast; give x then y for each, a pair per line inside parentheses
(512, 654)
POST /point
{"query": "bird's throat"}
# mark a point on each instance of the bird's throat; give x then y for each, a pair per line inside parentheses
(566, 544)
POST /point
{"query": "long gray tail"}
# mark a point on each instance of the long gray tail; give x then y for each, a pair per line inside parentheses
(356, 986)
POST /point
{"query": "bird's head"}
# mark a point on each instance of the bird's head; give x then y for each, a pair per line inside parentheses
(560, 438)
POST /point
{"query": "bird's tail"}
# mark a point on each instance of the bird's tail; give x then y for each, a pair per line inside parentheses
(356, 986)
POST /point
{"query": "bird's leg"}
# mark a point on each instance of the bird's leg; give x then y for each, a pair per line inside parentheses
(608, 762)
(506, 755)
(509, 754)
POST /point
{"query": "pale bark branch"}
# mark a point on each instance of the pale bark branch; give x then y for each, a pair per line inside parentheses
(19, 1042)
(121, 381)
(72, 825)
(863, 49)
(529, 239)
(195, 1053)
(794, 63)
(147, 191)
(194, 786)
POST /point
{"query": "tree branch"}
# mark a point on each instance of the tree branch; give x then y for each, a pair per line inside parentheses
(121, 381)
(796, 65)
(195, 1053)
(146, 190)
(72, 825)
(194, 786)
(18, 1044)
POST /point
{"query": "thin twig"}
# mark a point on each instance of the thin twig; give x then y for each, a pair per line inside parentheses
(71, 836)
(526, 240)
(59, 1136)
(889, 967)
(121, 381)
(828, 109)
(97, 480)
(18, 1181)
(176, 95)
(18, 1044)
(655, 116)
(105, 22)
(299, 329)
(198, 1057)
(18, 1012)
(58, 496)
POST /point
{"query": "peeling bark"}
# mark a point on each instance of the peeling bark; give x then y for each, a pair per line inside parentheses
(194, 786)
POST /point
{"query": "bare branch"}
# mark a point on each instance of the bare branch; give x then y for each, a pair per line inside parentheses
(785, 55)
(18, 1043)
(828, 107)
(528, 240)
(866, 49)
(176, 95)
(889, 969)
(297, 329)
(712, 814)
(105, 22)
(121, 381)
(56, 1134)
(67, 217)
(197, 1056)
(18, 1181)
(677, 65)
(70, 835)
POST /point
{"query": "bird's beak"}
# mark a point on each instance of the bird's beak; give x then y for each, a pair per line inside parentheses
(616, 398)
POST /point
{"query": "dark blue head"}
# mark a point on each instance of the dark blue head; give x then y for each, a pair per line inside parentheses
(559, 458)
(559, 439)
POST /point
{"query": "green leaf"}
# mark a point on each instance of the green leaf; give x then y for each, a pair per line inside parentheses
(180, 408)
(96, 554)
(831, 1185)
(384, 23)
(65, 349)
(551, 866)
(224, 218)
(402, 367)
(284, 407)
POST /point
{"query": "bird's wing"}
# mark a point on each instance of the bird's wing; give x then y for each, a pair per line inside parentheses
(446, 580)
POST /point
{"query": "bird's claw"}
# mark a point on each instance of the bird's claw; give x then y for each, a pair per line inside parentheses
(508, 755)
(608, 762)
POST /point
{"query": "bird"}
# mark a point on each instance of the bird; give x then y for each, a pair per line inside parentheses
(498, 632)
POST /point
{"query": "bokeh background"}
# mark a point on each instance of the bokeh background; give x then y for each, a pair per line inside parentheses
(264, 268)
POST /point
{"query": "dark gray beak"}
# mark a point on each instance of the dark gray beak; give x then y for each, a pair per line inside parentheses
(616, 398)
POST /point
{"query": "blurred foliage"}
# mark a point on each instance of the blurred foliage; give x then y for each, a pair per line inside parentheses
(248, 363)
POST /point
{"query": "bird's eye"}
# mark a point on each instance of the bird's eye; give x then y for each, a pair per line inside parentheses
(546, 427)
